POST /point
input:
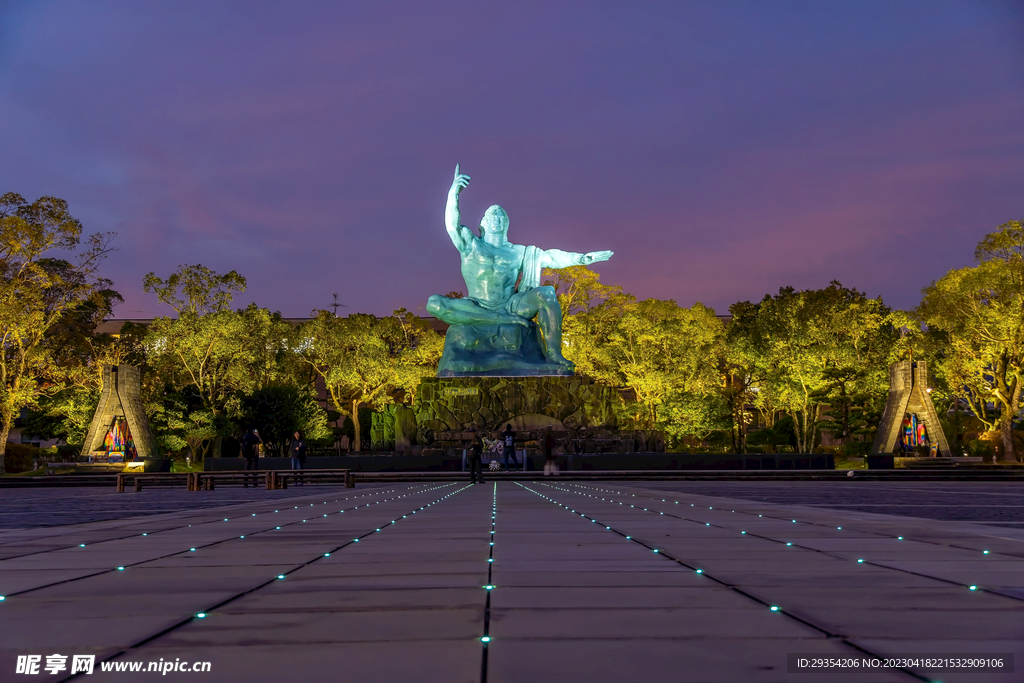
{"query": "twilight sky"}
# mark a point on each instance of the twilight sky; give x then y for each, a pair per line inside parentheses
(721, 149)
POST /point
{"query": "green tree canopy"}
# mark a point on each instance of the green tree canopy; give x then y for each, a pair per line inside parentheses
(195, 289)
(815, 349)
(37, 291)
(364, 360)
(980, 311)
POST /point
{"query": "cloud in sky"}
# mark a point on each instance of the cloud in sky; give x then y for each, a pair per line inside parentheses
(723, 150)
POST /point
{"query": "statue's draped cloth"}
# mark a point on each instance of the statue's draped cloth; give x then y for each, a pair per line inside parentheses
(531, 269)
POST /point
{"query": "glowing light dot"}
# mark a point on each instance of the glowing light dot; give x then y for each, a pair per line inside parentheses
(789, 544)
(81, 545)
(985, 552)
(120, 569)
(655, 550)
(486, 639)
(145, 534)
(489, 587)
(201, 615)
(700, 571)
(490, 559)
(327, 554)
(860, 561)
(973, 588)
(191, 550)
(899, 538)
(2, 598)
(280, 576)
(775, 608)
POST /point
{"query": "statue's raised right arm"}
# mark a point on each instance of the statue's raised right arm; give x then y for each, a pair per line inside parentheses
(461, 236)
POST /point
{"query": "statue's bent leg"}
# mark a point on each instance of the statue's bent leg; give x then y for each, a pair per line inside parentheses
(467, 312)
(543, 303)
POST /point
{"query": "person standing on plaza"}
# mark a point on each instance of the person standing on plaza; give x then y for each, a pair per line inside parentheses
(297, 451)
(508, 438)
(250, 446)
(547, 445)
(473, 453)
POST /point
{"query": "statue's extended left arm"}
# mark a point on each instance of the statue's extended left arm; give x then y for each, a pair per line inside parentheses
(556, 258)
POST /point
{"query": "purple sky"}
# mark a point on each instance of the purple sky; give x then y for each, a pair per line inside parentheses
(721, 149)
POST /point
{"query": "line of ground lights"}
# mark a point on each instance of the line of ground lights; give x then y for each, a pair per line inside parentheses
(320, 557)
(724, 584)
(486, 637)
(93, 544)
(838, 528)
(197, 548)
(790, 544)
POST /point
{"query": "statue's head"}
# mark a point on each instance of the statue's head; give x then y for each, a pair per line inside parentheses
(494, 222)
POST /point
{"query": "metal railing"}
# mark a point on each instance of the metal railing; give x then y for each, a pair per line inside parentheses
(208, 481)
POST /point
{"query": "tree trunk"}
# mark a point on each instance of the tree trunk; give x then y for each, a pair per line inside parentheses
(1006, 428)
(6, 420)
(357, 442)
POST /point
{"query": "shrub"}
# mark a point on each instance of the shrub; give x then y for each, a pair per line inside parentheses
(19, 456)
(65, 454)
(979, 448)
(856, 449)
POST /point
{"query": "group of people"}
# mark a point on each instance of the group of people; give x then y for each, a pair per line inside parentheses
(251, 442)
(475, 449)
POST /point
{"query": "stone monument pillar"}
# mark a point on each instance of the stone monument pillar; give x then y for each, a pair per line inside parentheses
(909, 401)
(119, 425)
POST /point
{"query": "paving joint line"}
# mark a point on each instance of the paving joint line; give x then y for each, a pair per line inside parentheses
(486, 638)
(192, 549)
(972, 587)
(203, 614)
(869, 532)
(731, 587)
(133, 535)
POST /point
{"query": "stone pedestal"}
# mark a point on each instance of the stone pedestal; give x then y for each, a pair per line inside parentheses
(496, 351)
(445, 404)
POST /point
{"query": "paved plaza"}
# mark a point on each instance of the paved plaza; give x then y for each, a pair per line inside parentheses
(532, 581)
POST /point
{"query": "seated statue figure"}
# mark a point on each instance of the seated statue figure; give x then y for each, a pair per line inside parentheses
(492, 329)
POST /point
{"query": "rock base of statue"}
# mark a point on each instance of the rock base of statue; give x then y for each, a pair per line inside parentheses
(452, 403)
(506, 350)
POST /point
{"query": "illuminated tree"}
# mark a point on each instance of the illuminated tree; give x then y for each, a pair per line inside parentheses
(980, 309)
(36, 291)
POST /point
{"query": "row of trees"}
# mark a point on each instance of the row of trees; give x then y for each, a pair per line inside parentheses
(808, 362)
(797, 363)
(210, 371)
